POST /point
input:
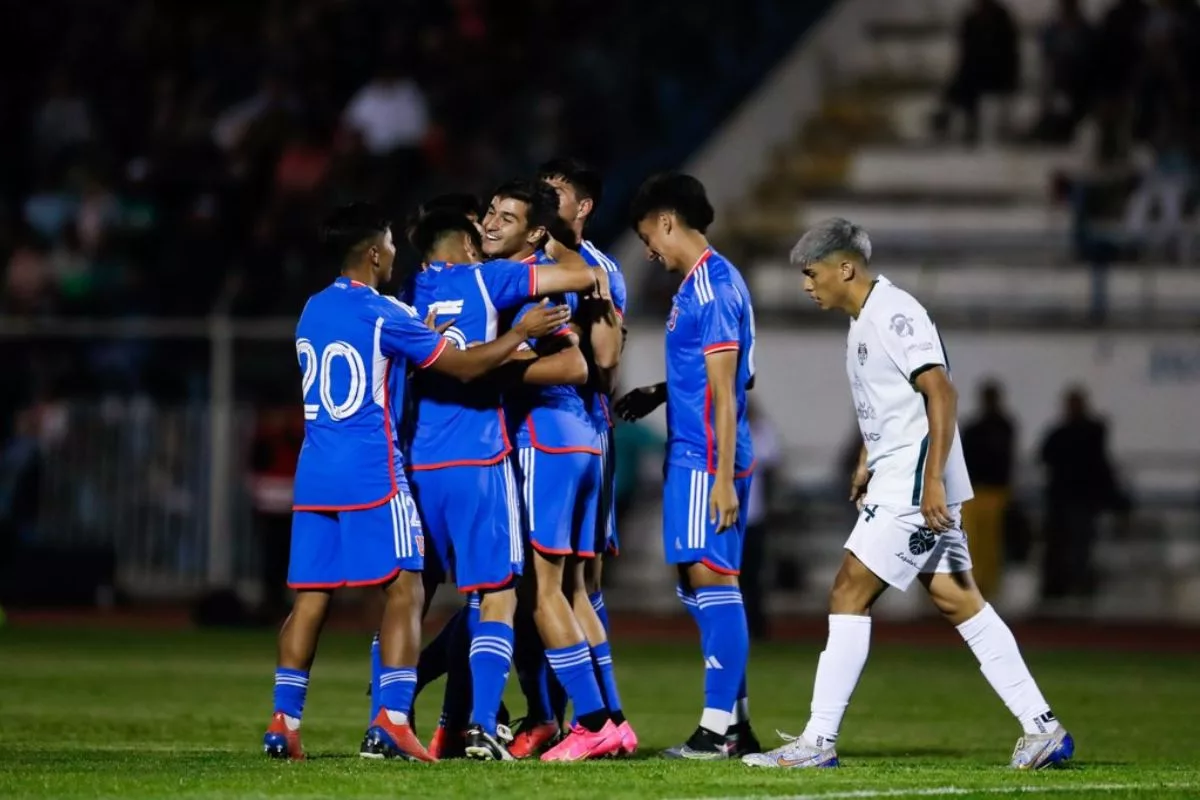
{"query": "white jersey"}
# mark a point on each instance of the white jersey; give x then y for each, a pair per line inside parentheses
(890, 344)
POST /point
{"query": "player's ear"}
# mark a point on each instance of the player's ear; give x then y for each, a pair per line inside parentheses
(848, 270)
(584, 208)
(666, 221)
(536, 235)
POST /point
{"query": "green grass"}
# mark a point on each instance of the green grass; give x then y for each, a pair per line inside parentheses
(181, 714)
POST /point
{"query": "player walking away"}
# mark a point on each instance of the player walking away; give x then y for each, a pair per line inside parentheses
(910, 484)
(354, 521)
(461, 475)
(561, 474)
(710, 366)
(579, 191)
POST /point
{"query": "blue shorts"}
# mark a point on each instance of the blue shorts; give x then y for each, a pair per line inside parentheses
(688, 533)
(560, 494)
(356, 548)
(473, 519)
(606, 514)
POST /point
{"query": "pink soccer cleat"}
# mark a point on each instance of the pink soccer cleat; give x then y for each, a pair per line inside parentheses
(582, 744)
(629, 740)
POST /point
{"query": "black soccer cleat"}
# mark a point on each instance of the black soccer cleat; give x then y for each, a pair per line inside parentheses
(741, 740)
(482, 746)
(703, 745)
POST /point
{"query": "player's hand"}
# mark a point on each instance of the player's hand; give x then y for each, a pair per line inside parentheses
(431, 322)
(543, 320)
(858, 486)
(933, 506)
(603, 290)
(723, 505)
(640, 402)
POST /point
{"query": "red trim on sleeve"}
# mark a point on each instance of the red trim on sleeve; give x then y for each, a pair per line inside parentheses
(437, 353)
(563, 331)
(620, 314)
(533, 281)
(720, 347)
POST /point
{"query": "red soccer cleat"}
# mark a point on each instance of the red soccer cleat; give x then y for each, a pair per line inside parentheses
(387, 740)
(447, 743)
(280, 741)
(530, 738)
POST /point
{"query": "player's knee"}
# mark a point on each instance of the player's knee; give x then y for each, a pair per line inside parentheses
(498, 606)
(854, 591)
(955, 595)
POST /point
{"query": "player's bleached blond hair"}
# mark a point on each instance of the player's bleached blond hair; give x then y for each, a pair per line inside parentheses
(835, 235)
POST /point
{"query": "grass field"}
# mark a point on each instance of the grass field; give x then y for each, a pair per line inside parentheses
(180, 714)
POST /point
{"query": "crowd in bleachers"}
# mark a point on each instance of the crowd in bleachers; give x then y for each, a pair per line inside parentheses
(165, 159)
(1133, 73)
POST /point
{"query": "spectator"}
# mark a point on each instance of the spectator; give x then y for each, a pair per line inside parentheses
(1164, 186)
(1079, 485)
(988, 66)
(389, 113)
(988, 445)
(1068, 59)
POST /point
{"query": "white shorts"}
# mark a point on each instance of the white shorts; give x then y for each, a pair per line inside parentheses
(896, 545)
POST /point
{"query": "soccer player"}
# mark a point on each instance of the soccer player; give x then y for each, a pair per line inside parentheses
(561, 474)
(354, 520)
(910, 484)
(710, 366)
(579, 191)
(461, 475)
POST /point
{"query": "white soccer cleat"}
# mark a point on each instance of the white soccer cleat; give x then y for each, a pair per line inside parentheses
(794, 753)
(1040, 750)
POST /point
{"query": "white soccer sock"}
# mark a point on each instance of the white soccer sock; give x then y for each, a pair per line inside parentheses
(741, 711)
(1001, 663)
(715, 720)
(838, 670)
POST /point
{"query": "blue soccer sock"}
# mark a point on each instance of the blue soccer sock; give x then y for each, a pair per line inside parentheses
(291, 690)
(573, 667)
(491, 656)
(725, 640)
(597, 600)
(376, 668)
(689, 603)
(397, 685)
(602, 659)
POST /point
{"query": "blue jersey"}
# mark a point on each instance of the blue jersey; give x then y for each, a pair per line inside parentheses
(596, 401)
(354, 346)
(459, 424)
(711, 313)
(551, 418)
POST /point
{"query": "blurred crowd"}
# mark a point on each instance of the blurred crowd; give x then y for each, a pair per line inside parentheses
(168, 160)
(1133, 74)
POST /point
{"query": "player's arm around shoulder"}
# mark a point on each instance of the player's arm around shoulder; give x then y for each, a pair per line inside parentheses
(475, 362)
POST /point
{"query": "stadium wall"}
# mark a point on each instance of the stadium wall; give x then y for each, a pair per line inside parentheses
(1146, 384)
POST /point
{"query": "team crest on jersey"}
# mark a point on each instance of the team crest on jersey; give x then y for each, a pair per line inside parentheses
(902, 325)
(420, 539)
(673, 318)
(862, 353)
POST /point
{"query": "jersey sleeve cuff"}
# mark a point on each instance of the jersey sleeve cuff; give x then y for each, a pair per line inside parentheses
(533, 289)
(921, 370)
(720, 347)
(435, 355)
